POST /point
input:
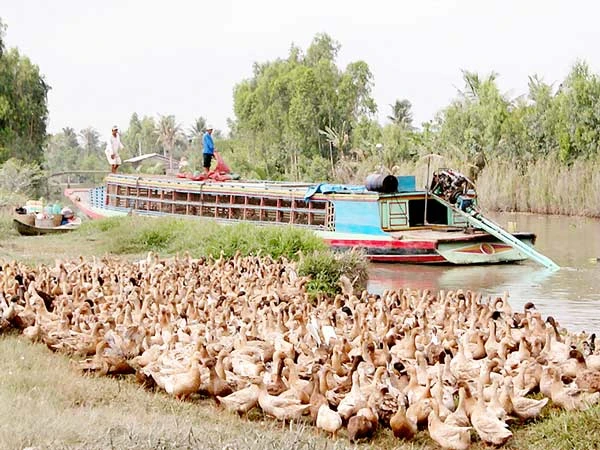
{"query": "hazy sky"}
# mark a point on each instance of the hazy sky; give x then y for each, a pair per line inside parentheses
(105, 60)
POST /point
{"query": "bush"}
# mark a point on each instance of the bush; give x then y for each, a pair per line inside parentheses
(325, 269)
(21, 178)
(200, 237)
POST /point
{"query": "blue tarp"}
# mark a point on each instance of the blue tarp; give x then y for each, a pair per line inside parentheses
(325, 188)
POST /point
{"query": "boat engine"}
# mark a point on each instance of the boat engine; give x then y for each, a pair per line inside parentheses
(454, 187)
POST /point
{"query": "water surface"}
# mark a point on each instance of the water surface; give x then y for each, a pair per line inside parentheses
(571, 294)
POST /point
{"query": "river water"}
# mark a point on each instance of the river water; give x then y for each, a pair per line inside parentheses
(571, 295)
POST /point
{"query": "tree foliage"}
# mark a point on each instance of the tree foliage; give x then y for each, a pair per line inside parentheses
(283, 109)
(141, 136)
(2, 31)
(401, 113)
(21, 178)
(561, 123)
(23, 106)
(302, 117)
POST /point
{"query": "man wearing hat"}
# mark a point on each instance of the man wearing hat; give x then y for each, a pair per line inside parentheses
(112, 149)
(209, 148)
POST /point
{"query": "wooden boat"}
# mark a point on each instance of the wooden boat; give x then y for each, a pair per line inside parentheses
(388, 218)
(26, 227)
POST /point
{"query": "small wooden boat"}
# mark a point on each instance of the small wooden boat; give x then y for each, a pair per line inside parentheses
(26, 227)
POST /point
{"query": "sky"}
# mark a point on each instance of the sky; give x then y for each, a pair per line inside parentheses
(105, 60)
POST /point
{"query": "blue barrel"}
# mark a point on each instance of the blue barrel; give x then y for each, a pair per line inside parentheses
(379, 182)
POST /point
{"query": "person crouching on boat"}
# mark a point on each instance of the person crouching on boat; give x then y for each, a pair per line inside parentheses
(112, 149)
(67, 215)
(208, 152)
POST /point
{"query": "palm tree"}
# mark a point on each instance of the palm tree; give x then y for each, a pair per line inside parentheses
(197, 129)
(401, 113)
(474, 83)
(70, 137)
(168, 131)
(90, 140)
(335, 138)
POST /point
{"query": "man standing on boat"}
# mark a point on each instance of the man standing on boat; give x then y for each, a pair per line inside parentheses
(208, 153)
(112, 149)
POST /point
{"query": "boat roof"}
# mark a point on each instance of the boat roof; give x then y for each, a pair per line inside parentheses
(297, 189)
(146, 156)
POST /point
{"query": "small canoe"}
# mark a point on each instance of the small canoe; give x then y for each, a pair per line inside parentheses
(26, 229)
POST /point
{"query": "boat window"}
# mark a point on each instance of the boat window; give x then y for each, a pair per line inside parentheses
(437, 214)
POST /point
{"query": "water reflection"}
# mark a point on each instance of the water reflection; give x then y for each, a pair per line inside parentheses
(571, 294)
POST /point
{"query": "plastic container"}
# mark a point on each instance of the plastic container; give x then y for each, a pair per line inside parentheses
(406, 183)
(56, 209)
(57, 220)
(44, 223)
(33, 206)
(379, 182)
(28, 219)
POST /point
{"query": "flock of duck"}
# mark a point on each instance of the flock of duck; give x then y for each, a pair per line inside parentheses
(243, 331)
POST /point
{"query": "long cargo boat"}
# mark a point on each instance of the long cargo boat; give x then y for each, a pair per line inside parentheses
(388, 218)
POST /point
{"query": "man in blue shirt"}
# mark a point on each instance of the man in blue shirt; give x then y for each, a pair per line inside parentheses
(209, 148)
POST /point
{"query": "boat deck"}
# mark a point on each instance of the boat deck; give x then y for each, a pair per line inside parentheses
(448, 234)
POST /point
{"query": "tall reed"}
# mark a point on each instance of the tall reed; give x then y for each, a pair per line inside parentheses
(545, 187)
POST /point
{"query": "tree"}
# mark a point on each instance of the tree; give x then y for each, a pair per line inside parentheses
(540, 118)
(62, 152)
(2, 30)
(19, 177)
(90, 141)
(337, 139)
(197, 130)
(168, 133)
(401, 114)
(23, 107)
(475, 121)
(578, 108)
(70, 137)
(281, 109)
(141, 136)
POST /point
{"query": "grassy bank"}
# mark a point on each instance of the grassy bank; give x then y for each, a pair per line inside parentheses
(134, 237)
(47, 404)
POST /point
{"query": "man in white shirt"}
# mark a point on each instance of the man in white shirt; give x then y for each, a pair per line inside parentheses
(112, 150)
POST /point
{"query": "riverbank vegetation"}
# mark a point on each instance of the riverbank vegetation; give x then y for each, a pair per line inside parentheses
(299, 117)
(302, 117)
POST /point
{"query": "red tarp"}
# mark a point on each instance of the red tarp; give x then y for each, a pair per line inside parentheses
(219, 173)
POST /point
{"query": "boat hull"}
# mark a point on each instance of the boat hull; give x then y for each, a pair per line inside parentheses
(418, 245)
(481, 249)
(25, 229)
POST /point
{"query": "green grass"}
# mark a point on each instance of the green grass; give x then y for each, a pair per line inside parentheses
(47, 404)
(166, 235)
